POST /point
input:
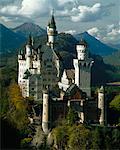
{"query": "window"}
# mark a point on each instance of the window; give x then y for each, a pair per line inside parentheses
(32, 88)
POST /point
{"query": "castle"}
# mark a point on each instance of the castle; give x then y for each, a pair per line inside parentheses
(40, 67)
(39, 72)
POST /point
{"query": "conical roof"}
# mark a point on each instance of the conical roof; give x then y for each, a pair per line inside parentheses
(83, 42)
(52, 23)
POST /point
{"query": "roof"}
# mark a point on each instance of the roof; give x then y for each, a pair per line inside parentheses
(46, 48)
(70, 73)
(52, 23)
(30, 40)
(26, 74)
(71, 90)
(83, 42)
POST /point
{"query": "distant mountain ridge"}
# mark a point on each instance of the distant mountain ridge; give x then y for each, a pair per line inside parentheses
(29, 28)
(14, 38)
(9, 40)
(96, 46)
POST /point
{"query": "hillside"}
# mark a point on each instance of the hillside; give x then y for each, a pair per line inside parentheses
(29, 28)
(113, 59)
(96, 46)
(9, 40)
(66, 48)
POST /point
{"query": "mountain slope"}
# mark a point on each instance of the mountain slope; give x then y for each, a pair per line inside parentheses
(96, 47)
(9, 40)
(29, 28)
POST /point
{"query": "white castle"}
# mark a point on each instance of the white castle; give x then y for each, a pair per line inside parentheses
(41, 67)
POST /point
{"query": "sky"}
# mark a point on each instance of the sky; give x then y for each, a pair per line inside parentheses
(100, 18)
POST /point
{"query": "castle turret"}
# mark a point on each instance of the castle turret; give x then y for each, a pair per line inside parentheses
(83, 66)
(101, 106)
(45, 115)
(28, 52)
(51, 32)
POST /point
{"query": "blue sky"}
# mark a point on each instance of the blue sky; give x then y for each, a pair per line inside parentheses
(101, 18)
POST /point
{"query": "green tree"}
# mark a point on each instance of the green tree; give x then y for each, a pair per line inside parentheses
(96, 139)
(72, 116)
(78, 137)
(115, 103)
(60, 137)
(116, 139)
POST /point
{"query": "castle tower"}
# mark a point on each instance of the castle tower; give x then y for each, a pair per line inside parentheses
(101, 106)
(51, 32)
(45, 115)
(29, 52)
(83, 66)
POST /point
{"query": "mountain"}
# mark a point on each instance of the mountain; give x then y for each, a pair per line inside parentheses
(96, 46)
(113, 59)
(29, 28)
(116, 46)
(9, 40)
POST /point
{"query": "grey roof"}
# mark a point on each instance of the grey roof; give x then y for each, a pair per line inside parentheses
(70, 73)
(71, 90)
(52, 23)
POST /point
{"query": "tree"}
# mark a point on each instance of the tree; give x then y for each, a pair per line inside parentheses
(115, 103)
(78, 137)
(72, 116)
(116, 139)
(17, 107)
(60, 137)
(96, 139)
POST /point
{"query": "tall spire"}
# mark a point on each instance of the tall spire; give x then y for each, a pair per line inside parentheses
(30, 41)
(52, 23)
(51, 31)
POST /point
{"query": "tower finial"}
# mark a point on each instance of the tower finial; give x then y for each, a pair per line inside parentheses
(30, 40)
(52, 12)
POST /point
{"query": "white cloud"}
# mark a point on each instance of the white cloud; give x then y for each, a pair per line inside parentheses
(67, 8)
(108, 34)
(94, 32)
(34, 8)
(72, 32)
(9, 9)
(87, 13)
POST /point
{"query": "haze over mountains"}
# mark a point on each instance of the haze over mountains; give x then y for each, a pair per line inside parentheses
(14, 38)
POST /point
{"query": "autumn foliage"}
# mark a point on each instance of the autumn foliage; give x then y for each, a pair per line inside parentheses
(18, 107)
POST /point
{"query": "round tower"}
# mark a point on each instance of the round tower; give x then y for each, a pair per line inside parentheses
(82, 52)
(45, 114)
(101, 106)
(51, 31)
(28, 52)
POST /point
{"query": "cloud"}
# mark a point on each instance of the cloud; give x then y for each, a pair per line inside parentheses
(72, 32)
(108, 34)
(63, 8)
(94, 32)
(34, 8)
(87, 13)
